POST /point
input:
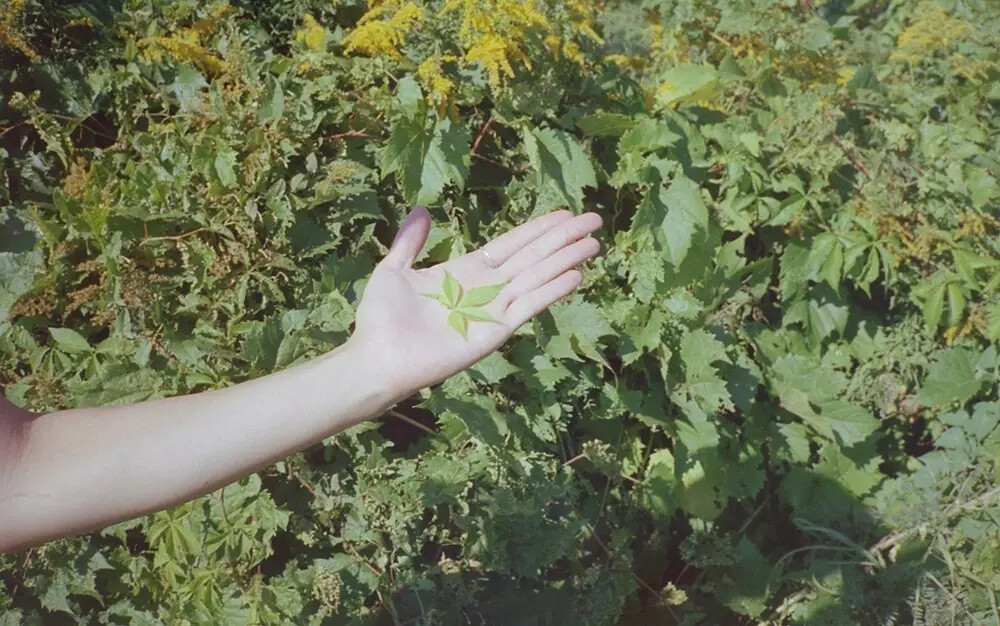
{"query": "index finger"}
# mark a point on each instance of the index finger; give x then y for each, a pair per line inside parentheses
(504, 246)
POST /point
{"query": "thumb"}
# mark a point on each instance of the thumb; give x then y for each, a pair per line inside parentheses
(409, 240)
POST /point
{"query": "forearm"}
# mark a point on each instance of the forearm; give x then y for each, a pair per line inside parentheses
(87, 468)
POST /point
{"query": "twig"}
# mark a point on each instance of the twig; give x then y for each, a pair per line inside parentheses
(482, 133)
(302, 482)
(491, 161)
(355, 133)
(24, 566)
(411, 422)
(7, 129)
(354, 553)
(858, 165)
(611, 556)
(174, 237)
(222, 505)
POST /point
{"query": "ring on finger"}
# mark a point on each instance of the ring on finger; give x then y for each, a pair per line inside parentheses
(489, 259)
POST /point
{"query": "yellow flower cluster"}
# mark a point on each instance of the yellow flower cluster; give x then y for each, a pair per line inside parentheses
(492, 33)
(383, 29)
(312, 34)
(438, 86)
(582, 12)
(931, 31)
(973, 70)
(187, 44)
(971, 224)
(184, 46)
(9, 37)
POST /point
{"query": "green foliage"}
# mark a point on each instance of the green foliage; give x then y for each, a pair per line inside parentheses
(772, 400)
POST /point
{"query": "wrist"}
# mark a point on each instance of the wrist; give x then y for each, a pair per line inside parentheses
(369, 361)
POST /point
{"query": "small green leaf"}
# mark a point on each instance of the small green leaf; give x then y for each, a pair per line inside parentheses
(439, 297)
(480, 296)
(457, 321)
(933, 306)
(452, 290)
(956, 304)
(272, 103)
(476, 315)
(69, 340)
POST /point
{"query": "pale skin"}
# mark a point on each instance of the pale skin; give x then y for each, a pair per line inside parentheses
(73, 471)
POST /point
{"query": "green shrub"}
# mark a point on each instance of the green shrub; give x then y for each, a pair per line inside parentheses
(770, 401)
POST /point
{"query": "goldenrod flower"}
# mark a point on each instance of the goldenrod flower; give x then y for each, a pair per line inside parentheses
(375, 35)
(932, 30)
(439, 86)
(312, 33)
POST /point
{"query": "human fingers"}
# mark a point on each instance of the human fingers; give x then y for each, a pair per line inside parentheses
(527, 306)
(553, 240)
(503, 247)
(550, 268)
(409, 240)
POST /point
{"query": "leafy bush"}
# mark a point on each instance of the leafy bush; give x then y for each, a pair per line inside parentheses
(769, 403)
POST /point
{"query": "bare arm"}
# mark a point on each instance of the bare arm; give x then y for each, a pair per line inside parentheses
(77, 470)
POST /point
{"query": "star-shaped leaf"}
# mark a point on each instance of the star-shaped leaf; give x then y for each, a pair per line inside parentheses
(465, 305)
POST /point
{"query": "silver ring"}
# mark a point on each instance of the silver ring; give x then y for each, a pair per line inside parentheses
(489, 259)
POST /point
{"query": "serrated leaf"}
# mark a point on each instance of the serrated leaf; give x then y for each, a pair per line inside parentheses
(426, 160)
(950, 379)
(605, 124)
(686, 215)
(272, 102)
(562, 169)
(69, 340)
(452, 290)
(480, 296)
(646, 136)
(934, 307)
(687, 83)
(225, 164)
(457, 321)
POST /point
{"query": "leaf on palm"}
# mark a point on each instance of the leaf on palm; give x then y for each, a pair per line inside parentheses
(465, 306)
(480, 296)
(459, 322)
(452, 290)
(477, 315)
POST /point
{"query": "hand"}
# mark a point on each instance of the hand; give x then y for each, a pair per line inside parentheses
(408, 335)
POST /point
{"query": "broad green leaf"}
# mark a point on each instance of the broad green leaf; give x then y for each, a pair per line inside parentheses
(457, 321)
(747, 591)
(225, 164)
(272, 102)
(849, 422)
(410, 99)
(646, 136)
(687, 83)
(480, 296)
(686, 215)
(69, 340)
(452, 290)
(446, 161)
(561, 167)
(605, 124)
(657, 493)
(186, 87)
(950, 379)
(426, 160)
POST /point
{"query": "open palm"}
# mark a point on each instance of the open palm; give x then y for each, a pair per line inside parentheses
(418, 347)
